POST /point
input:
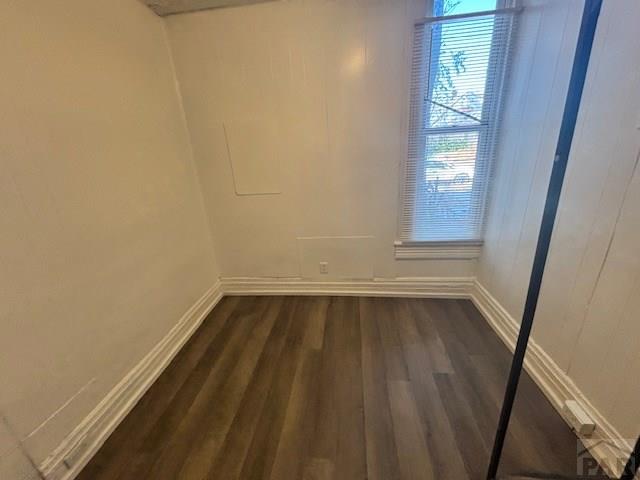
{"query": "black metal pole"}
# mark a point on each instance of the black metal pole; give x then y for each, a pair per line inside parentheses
(633, 463)
(567, 128)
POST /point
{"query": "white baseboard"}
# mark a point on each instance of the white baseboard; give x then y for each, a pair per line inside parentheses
(437, 287)
(606, 443)
(89, 436)
(85, 440)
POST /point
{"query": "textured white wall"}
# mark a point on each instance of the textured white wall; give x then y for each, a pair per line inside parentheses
(330, 79)
(587, 318)
(104, 242)
(104, 238)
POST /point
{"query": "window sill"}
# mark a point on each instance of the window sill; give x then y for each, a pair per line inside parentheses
(437, 250)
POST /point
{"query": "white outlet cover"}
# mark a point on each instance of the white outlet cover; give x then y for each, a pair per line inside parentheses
(349, 257)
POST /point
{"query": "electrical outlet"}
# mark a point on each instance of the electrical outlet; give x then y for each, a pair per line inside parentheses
(324, 267)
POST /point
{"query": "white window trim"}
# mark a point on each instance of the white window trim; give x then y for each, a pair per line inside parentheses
(451, 250)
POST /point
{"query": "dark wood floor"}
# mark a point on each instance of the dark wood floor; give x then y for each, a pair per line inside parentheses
(334, 388)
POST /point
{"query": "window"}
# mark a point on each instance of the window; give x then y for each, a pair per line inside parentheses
(459, 65)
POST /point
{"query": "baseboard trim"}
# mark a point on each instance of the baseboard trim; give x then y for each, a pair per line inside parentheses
(437, 287)
(606, 443)
(87, 438)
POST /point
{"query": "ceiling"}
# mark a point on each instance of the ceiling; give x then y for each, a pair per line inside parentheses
(172, 7)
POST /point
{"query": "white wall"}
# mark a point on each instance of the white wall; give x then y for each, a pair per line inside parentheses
(587, 316)
(103, 242)
(326, 84)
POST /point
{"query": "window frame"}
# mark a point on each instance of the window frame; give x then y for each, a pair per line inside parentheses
(486, 130)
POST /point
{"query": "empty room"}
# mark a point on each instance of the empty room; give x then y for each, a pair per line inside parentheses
(319, 239)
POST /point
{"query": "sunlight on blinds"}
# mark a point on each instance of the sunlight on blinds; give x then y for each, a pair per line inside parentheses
(457, 79)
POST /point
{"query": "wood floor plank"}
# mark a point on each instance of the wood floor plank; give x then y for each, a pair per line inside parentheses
(472, 334)
(298, 424)
(298, 428)
(483, 389)
(414, 457)
(475, 391)
(453, 327)
(549, 446)
(322, 450)
(418, 332)
(168, 442)
(319, 469)
(335, 388)
(259, 460)
(470, 442)
(396, 367)
(314, 336)
(229, 460)
(351, 459)
(382, 459)
(491, 340)
(116, 453)
(215, 424)
(438, 431)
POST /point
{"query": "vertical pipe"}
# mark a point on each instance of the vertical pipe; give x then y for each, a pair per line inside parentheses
(565, 137)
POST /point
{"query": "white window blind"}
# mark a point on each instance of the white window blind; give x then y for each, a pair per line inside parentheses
(459, 67)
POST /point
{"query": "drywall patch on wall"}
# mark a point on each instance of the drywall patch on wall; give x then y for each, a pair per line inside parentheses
(252, 147)
(334, 75)
(336, 257)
